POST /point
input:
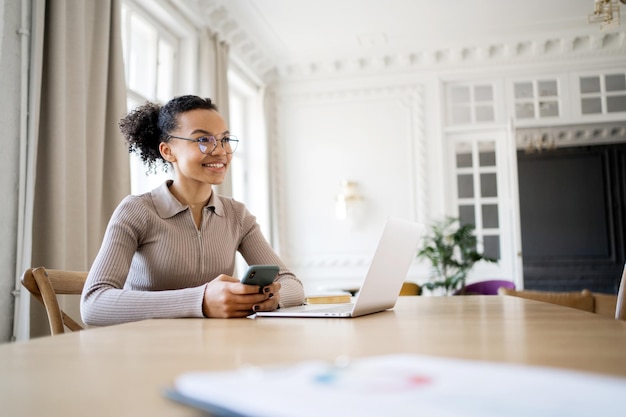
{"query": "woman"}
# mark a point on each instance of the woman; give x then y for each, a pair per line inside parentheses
(171, 252)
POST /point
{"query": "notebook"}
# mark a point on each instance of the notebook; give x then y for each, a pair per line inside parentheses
(396, 250)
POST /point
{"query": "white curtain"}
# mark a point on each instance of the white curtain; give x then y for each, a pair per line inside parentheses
(213, 83)
(77, 165)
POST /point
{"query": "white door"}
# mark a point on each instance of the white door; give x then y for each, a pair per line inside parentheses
(482, 190)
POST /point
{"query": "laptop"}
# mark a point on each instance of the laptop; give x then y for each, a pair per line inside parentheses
(396, 251)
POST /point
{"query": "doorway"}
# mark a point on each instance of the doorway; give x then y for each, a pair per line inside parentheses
(573, 217)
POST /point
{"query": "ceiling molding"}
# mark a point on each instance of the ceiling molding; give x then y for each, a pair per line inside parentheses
(213, 15)
(586, 45)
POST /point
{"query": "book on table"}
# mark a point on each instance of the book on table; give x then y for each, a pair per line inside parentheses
(328, 297)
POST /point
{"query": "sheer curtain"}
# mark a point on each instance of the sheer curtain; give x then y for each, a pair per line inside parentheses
(213, 83)
(79, 167)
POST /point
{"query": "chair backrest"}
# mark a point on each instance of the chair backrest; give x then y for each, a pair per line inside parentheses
(604, 304)
(582, 300)
(620, 308)
(45, 284)
(410, 288)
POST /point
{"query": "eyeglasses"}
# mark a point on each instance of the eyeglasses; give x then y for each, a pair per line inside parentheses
(207, 144)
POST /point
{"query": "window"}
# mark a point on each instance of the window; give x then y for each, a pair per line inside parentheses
(536, 99)
(149, 56)
(160, 55)
(473, 103)
(249, 168)
(160, 62)
(602, 94)
(477, 192)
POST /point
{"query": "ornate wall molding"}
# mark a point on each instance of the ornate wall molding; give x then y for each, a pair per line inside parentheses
(213, 14)
(545, 138)
(408, 96)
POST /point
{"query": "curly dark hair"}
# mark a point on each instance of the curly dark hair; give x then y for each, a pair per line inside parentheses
(145, 127)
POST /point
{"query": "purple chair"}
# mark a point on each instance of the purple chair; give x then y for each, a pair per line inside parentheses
(489, 287)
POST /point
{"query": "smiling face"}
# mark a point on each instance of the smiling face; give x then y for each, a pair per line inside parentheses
(191, 165)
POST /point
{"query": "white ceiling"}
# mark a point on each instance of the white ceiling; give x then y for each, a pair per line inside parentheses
(291, 32)
(304, 28)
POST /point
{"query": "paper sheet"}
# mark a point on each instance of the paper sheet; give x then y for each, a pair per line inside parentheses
(403, 385)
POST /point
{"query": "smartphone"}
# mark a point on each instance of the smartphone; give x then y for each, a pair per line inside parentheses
(260, 275)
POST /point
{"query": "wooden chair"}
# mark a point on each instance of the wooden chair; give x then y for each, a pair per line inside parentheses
(620, 308)
(44, 284)
(582, 300)
(604, 304)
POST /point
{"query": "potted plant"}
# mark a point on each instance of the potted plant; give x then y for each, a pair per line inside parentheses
(451, 249)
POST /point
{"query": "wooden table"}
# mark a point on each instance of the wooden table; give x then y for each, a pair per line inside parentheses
(122, 370)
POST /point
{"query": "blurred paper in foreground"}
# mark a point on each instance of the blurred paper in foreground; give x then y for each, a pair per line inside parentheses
(401, 385)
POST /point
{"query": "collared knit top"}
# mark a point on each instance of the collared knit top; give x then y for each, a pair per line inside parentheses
(155, 263)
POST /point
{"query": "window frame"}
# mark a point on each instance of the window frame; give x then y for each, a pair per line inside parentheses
(473, 104)
(175, 29)
(561, 98)
(255, 190)
(577, 96)
(509, 264)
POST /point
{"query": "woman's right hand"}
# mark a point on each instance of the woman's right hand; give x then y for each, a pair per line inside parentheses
(226, 297)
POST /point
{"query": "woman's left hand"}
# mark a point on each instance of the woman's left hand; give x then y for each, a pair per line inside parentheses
(273, 293)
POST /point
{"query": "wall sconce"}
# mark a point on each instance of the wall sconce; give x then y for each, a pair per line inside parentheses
(607, 13)
(347, 200)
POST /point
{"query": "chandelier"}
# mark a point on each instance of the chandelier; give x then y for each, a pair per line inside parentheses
(607, 13)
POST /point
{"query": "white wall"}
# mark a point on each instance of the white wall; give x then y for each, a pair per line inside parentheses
(326, 102)
(373, 131)
(386, 132)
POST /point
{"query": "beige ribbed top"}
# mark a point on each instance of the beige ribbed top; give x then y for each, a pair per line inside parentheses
(154, 262)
